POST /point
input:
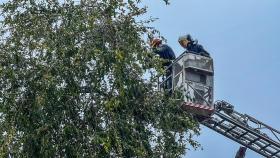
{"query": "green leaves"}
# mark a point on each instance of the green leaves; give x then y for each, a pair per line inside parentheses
(73, 83)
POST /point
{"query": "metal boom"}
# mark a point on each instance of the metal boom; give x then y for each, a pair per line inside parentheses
(193, 74)
(244, 130)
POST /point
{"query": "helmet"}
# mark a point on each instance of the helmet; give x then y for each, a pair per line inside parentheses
(155, 42)
(185, 37)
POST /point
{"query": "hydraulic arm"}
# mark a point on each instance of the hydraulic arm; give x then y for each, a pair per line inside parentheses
(194, 75)
(244, 130)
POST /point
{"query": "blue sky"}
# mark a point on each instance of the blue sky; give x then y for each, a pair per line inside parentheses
(243, 37)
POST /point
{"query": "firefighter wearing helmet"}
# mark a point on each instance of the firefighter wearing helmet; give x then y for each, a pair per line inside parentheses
(165, 52)
(192, 46)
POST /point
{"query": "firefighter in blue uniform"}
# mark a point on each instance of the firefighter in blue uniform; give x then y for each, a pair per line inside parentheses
(192, 45)
(165, 52)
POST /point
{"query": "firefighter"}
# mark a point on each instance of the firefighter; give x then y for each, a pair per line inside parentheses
(192, 45)
(165, 52)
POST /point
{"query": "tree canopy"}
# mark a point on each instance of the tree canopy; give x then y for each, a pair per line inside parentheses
(73, 83)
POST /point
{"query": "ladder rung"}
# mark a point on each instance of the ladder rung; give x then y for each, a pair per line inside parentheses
(265, 147)
(243, 134)
(275, 153)
(217, 124)
(253, 141)
(230, 129)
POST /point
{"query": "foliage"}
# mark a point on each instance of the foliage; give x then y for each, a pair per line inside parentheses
(73, 83)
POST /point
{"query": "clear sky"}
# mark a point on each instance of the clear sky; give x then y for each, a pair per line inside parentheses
(243, 39)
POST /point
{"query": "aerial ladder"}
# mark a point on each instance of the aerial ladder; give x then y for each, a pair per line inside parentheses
(193, 74)
(244, 129)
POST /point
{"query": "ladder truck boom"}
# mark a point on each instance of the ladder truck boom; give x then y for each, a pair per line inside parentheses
(194, 75)
(244, 130)
(241, 128)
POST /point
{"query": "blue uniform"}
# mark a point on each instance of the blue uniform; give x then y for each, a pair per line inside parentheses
(165, 52)
(197, 49)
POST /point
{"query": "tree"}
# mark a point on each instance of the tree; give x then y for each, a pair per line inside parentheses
(73, 83)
